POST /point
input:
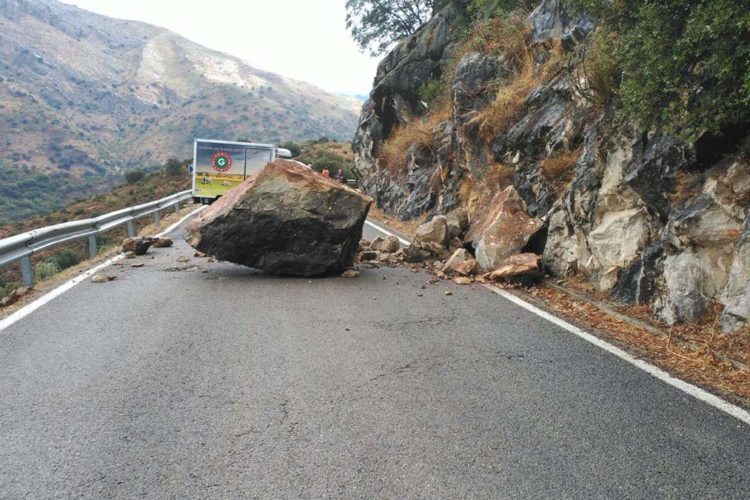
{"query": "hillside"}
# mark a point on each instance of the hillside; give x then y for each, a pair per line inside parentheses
(625, 144)
(84, 97)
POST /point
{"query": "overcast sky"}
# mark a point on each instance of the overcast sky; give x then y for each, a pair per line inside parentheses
(302, 39)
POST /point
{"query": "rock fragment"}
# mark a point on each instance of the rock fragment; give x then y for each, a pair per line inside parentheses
(14, 296)
(102, 278)
(525, 266)
(162, 242)
(137, 245)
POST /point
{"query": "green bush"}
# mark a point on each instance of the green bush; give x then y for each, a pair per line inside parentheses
(173, 167)
(295, 148)
(45, 270)
(134, 176)
(6, 288)
(684, 65)
(65, 259)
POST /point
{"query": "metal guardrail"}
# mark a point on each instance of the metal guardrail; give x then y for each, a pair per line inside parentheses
(23, 246)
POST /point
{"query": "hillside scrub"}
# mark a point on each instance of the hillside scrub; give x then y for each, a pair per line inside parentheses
(683, 66)
(324, 153)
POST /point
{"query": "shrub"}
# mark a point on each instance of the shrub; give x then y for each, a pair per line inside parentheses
(173, 168)
(134, 176)
(6, 288)
(599, 68)
(65, 259)
(293, 147)
(45, 270)
(684, 64)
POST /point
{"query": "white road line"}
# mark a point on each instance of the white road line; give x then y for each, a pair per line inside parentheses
(48, 297)
(652, 370)
(385, 231)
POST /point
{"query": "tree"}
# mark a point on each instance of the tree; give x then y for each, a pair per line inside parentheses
(134, 176)
(293, 147)
(173, 167)
(377, 24)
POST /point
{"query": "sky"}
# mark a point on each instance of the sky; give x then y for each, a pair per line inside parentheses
(302, 39)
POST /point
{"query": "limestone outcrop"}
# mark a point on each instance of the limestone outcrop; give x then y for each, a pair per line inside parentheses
(643, 215)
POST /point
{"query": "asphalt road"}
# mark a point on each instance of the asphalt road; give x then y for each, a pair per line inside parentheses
(209, 380)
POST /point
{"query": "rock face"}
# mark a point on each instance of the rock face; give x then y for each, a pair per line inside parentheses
(639, 213)
(287, 220)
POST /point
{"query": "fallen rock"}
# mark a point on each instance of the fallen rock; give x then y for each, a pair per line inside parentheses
(183, 258)
(457, 222)
(503, 231)
(455, 244)
(461, 262)
(130, 255)
(434, 232)
(286, 220)
(102, 278)
(525, 266)
(137, 264)
(414, 254)
(162, 242)
(137, 245)
(14, 296)
(199, 255)
(389, 244)
(368, 255)
(350, 273)
(463, 280)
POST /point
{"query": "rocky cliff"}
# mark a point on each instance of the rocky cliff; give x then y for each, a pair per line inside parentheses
(643, 215)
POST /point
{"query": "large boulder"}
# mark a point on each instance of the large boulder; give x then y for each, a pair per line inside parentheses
(287, 220)
(503, 231)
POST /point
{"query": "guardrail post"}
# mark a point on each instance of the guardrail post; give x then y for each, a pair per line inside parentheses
(177, 207)
(157, 218)
(92, 246)
(131, 229)
(28, 273)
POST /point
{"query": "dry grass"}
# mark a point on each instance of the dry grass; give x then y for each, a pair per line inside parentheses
(419, 132)
(558, 169)
(510, 101)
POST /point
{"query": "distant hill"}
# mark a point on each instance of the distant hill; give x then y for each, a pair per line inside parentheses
(85, 97)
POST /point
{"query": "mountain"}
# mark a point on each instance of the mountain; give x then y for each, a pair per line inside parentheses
(84, 97)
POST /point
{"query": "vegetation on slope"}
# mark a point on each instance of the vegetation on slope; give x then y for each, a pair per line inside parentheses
(169, 179)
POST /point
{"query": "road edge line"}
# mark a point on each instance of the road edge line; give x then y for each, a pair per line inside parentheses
(49, 296)
(386, 232)
(652, 370)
